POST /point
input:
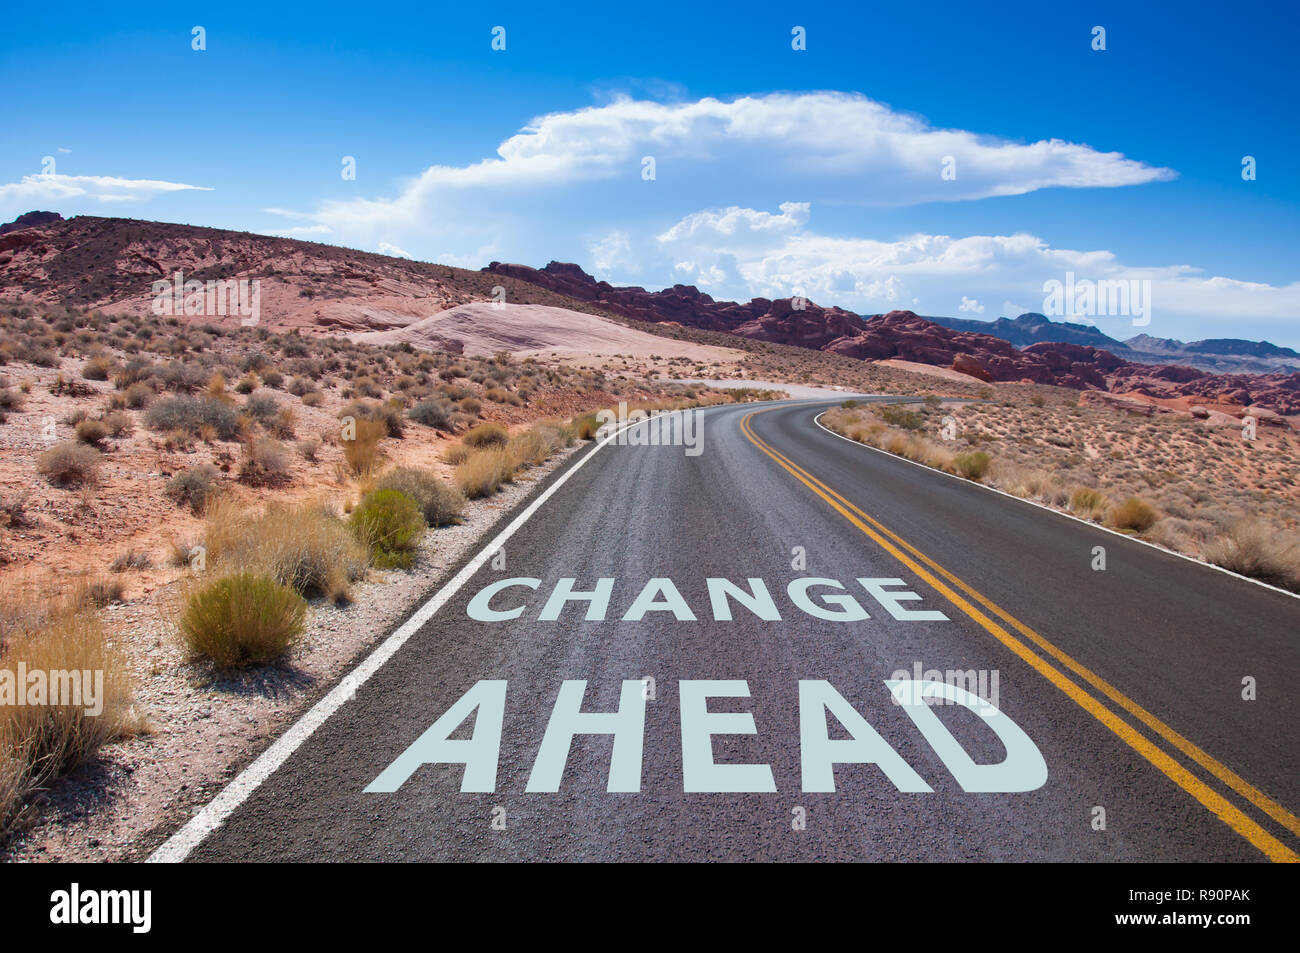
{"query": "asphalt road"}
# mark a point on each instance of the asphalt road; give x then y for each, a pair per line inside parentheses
(1128, 681)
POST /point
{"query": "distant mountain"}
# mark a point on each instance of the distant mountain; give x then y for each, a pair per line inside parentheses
(1221, 355)
(1232, 355)
(1033, 328)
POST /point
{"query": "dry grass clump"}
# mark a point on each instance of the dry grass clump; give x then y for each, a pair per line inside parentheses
(244, 618)
(483, 472)
(1254, 549)
(442, 505)
(1133, 515)
(972, 466)
(1087, 503)
(361, 445)
(586, 426)
(265, 462)
(486, 435)
(194, 487)
(306, 547)
(40, 742)
(70, 463)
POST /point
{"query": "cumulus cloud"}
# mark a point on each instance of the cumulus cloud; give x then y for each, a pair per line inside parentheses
(828, 143)
(970, 304)
(52, 188)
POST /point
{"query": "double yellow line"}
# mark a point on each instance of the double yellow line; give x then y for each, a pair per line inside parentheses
(969, 600)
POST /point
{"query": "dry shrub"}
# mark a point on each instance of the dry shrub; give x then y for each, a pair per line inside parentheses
(362, 450)
(194, 487)
(456, 454)
(972, 466)
(38, 743)
(1134, 515)
(265, 462)
(1255, 549)
(486, 435)
(441, 504)
(306, 547)
(245, 618)
(483, 472)
(92, 432)
(70, 463)
(586, 426)
(1087, 503)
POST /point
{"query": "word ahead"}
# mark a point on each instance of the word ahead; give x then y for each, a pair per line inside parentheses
(661, 595)
(1023, 768)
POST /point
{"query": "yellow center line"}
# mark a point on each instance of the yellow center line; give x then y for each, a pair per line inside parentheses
(894, 545)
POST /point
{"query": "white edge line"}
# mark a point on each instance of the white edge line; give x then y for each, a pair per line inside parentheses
(1070, 516)
(177, 847)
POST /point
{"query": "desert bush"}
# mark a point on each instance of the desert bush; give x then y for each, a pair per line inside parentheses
(972, 466)
(262, 407)
(136, 559)
(70, 463)
(896, 415)
(245, 618)
(92, 432)
(456, 454)
(265, 462)
(486, 435)
(313, 399)
(1255, 549)
(586, 426)
(40, 742)
(194, 487)
(97, 369)
(441, 504)
(118, 423)
(362, 451)
(137, 396)
(431, 413)
(483, 472)
(1087, 502)
(306, 547)
(1134, 514)
(389, 523)
(189, 414)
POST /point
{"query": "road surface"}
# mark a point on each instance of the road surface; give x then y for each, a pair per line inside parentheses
(1128, 681)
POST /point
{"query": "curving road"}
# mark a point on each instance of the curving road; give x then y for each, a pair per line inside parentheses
(1128, 681)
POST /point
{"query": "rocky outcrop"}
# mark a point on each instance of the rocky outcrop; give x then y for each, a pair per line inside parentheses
(30, 220)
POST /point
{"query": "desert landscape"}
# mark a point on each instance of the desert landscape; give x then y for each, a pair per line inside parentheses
(330, 462)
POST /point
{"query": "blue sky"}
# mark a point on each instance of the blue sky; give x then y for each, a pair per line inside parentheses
(777, 171)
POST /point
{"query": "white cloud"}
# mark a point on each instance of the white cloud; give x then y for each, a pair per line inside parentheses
(970, 304)
(386, 249)
(33, 190)
(836, 144)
